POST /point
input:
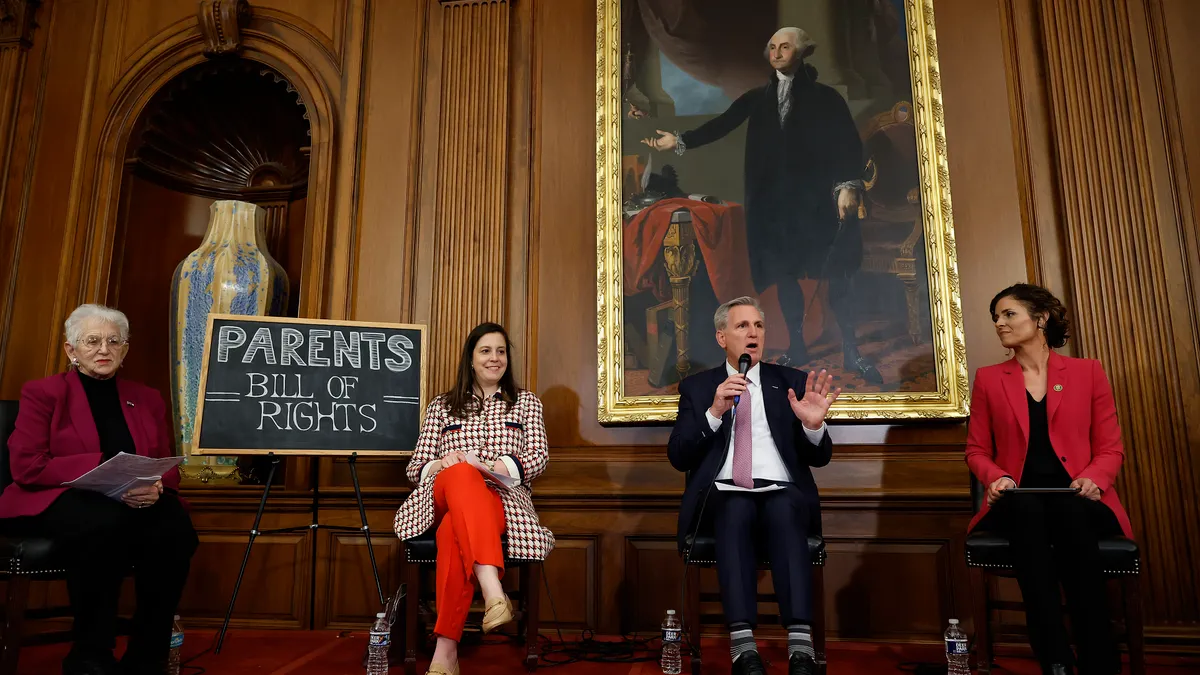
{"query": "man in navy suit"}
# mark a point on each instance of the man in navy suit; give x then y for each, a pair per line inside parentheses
(747, 443)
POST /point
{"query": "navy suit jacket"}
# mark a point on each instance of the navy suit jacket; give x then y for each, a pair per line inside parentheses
(698, 450)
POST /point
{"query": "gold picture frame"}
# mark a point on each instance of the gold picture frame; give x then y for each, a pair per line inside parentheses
(950, 398)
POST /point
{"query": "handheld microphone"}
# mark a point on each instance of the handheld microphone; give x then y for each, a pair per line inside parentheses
(743, 368)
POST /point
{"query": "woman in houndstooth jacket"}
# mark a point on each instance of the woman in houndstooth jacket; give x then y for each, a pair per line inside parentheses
(486, 414)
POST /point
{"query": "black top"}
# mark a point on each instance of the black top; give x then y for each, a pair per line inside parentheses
(106, 403)
(1042, 468)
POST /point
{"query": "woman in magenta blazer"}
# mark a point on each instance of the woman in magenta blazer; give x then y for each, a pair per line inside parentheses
(1045, 420)
(67, 425)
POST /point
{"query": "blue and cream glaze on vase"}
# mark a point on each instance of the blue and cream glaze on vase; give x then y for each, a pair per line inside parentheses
(230, 273)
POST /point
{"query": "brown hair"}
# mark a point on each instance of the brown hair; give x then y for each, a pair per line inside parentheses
(461, 401)
(1039, 302)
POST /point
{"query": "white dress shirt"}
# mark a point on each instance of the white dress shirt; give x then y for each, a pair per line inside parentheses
(767, 462)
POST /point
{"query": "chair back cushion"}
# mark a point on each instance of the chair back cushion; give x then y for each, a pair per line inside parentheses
(8, 420)
(978, 494)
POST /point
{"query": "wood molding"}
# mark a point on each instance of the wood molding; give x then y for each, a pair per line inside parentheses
(16, 38)
(464, 228)
(1045, 252)
(103, 141)
(17, 21)
(1120, 278)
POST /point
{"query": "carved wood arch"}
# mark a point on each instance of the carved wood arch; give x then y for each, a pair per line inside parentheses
(87, 256)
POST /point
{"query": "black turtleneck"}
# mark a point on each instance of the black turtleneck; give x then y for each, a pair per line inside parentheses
(105, 403)
(1042, 468)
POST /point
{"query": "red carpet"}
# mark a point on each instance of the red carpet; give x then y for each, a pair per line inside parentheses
(262, 652)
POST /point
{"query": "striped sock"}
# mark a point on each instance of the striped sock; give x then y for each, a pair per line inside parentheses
(800, 641)
(741, 640)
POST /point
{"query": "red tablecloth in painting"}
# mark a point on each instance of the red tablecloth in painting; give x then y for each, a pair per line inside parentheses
(720, 235)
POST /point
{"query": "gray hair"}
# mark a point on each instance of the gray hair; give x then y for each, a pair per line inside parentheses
(799, 39)
(721, 317)
(85, 313)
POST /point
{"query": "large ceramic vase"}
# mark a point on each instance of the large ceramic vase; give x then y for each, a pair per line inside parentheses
(230, 273)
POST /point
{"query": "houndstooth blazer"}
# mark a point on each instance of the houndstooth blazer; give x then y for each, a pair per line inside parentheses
(519, 433)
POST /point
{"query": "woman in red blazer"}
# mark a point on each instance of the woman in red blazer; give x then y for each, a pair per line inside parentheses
(1045, 420)
(67, 425)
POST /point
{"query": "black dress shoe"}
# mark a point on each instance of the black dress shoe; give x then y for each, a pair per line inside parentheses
(749, 663)
(802, 664)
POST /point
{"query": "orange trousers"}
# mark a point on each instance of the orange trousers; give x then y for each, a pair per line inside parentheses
(469, 521)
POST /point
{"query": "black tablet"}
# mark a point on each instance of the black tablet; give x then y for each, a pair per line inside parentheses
(1041, 490)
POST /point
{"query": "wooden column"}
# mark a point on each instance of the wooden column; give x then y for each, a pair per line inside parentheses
(464, 247)
(1127, 276)
(16, 35)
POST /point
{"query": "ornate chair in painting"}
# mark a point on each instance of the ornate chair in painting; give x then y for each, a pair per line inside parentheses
(892, 227)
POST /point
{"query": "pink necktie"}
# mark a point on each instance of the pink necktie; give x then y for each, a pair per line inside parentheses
(743, 450)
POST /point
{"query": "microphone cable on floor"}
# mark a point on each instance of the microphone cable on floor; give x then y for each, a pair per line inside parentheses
(629, 649)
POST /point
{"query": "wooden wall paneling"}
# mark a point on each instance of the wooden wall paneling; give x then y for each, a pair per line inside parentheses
(1037, 184)
(464, 199)
(18, 113)
(276, 591)
(68, 29)
(1174, 22)
(653, 582)
(521, 303)
(572, 576)
(103, 134)
(344, 572)
(915, 574)
(1119, 237)
(344, 186)
(386, 259)
(323, 22)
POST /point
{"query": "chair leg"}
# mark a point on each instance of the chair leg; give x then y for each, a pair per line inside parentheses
(412, 600)
(983, 628)
(818, 616)
(1131, 589)
(14, 616)
(531, 588)
(692, 613)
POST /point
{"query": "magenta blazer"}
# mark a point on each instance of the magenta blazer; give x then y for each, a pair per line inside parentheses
(55, 439)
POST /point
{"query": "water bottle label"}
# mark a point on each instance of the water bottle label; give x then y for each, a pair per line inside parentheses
(956, 646)
(176, 640)
(672, 635)
(381, 639)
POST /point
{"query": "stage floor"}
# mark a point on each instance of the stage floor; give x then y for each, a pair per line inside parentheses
(263, 652)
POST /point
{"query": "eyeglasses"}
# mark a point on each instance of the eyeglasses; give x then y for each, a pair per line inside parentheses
(93, 342)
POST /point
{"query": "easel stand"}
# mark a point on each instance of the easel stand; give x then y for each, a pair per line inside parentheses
(255, 532)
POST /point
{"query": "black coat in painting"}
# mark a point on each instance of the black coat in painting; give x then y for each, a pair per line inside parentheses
(790, 174)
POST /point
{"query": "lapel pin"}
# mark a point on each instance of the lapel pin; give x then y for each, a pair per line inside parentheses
(1058, 387)
(129, 403)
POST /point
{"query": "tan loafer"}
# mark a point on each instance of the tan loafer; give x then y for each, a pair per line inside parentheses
(438, 669)
(498, 612)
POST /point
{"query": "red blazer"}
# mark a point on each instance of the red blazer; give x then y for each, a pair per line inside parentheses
(1082, 418)
(56, 441)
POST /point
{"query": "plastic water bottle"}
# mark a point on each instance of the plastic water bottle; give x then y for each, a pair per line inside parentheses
(377, 651)
(176, 647)
(672, 635)
(957, 659)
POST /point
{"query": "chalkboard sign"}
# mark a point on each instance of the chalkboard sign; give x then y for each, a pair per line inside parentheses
(309, 387)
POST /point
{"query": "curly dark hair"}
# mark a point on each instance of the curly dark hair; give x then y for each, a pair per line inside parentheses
(1039, 302)
(461, 400)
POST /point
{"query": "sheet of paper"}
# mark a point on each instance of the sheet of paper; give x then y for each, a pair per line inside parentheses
(503, 481)
(123, 473)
